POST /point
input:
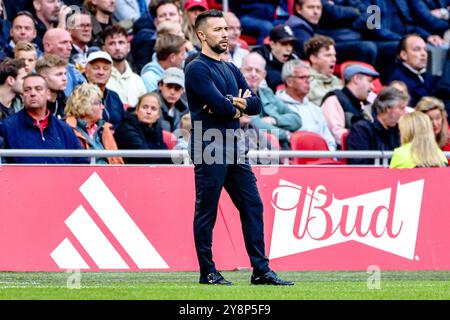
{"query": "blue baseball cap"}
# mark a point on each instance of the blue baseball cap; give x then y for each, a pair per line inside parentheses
(353, 69)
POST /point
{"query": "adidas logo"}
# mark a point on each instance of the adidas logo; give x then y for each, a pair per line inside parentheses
(94, 241)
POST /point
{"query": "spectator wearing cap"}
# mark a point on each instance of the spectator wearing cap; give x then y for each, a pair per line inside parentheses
(237, 53)
(59, 42)
(277, 52)
(170, 90)
(256, 16)
(98, 71)
(123, 80)
(192, 8)
(343, 107)
(411, 69)
(170, 52)
(321, 53)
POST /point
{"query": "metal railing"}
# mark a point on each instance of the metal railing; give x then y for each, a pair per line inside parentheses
(182, 156)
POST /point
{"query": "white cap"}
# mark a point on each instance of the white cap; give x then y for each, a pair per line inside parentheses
(99, 55)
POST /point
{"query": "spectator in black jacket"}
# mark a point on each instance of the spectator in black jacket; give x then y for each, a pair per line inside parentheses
(411, 68)
(279, 51)
(142, 130)
(381, 134)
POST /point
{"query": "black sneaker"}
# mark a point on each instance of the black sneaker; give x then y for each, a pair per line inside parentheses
(214, 278)
(270, 278)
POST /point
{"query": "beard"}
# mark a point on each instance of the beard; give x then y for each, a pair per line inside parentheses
(118, 58)
(217, 48)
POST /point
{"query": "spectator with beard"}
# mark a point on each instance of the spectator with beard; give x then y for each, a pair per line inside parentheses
(53, 69)
(49, 14)
(102, 16)
(276, 53)
(321, 53)
(124, 81)
(12, 72)
(344, 107)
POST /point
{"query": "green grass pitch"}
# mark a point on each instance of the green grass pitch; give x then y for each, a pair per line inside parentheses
(309, 285)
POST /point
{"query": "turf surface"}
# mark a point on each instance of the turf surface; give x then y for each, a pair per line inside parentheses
(310, 285)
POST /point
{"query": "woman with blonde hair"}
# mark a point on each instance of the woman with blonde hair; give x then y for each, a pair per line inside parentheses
(84, 110)
(435, 109)
(141, 129)
(418, 144)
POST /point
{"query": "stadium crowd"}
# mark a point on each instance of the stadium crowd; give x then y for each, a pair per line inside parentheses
(109, 74)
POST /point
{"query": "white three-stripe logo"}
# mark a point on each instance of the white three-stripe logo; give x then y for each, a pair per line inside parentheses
(96, 244)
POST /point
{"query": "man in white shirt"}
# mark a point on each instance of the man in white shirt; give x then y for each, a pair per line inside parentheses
(123, 80)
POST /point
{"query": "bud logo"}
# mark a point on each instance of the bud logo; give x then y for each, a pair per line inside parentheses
(95, 242)
(385, 219)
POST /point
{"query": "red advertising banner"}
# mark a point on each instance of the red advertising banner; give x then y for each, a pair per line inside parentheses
(141, 219)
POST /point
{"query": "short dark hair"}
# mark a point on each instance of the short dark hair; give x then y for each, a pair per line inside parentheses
(154, 6)
(313, 45)
(402, 43)
(10, 68)
(205, 15)
(112, 30)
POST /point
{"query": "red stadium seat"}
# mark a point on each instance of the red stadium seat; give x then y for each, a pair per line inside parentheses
(273, 140)
(213, 4)
(169, 139)
(344, 141)
(244, 44)
(306, 140)
(377, 86)
(251, 41)
(290, 5)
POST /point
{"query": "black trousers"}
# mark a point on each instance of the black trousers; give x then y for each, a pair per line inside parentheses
(240, 183)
